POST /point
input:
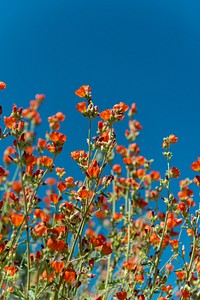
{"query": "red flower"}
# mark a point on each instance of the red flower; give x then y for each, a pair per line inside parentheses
(106, 249)
(174, 172)
(121, 295)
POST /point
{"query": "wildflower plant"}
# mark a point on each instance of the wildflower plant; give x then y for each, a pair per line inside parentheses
(117, 231)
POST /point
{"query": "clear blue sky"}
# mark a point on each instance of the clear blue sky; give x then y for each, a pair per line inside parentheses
(132, 51)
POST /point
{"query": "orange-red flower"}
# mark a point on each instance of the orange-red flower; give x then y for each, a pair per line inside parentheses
(81, 107)
(47, 276)
(11, 270)
(106, 114)
(180, 274)
(98, 241)
(56, 245)
(174, 243)
(45, 161)
(172, 221)
(54, 198)
(93, 169)
(139, 278)
(117, 168)
(121, 295)
(83, 193)
(174, 172)
(58, 138)
(9, 121)
(17, 219)
(40, 229)
(121, 107)
(57, 266)
(84, 91)
(173, 139)
(196, 165)
(106, 249)
(69, 275)
(2, 85)
(154, 239)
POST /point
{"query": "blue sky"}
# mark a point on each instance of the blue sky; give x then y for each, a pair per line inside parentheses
(132, 51)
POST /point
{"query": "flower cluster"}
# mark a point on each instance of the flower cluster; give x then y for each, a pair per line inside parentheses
(116, 232)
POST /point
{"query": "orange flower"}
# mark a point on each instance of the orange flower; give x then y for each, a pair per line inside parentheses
(173, 139)
(155, 175)
(180, 274)
(17, 186)
(69, 182)
(83, 194)
(10, 270)
(58, 138)
(172, 221)
(182, 207)
(40, 229)
(9, 121)
(81, 107)
(184, 194)
(2, 85)
(174, 243)
(57, 266)
(54, 198)
(61, 186)
(48, 277)
(121, 107)
(93, 169)
(17, 219)
(117, 169)
(139, 278)
(41, 144)
(190, 232)
(84, 91)
(106, 114)
(55, 245)
(196, 165)
(46, 161)
(60, 116)
(69, 275)
(169, 267)
(154, 239)
(117, 216)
